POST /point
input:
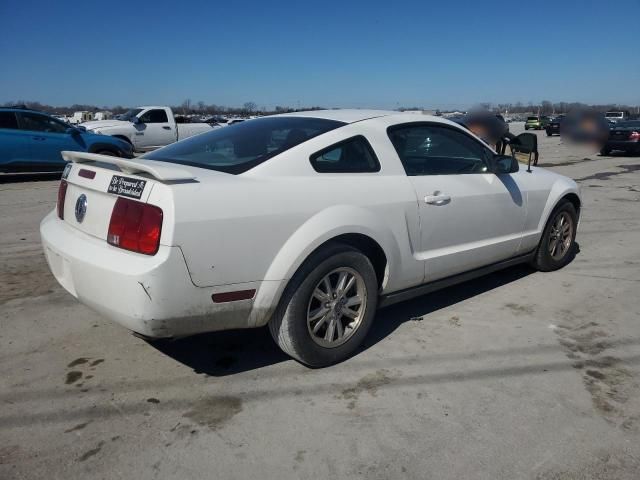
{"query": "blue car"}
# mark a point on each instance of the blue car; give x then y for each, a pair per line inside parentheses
(31, 141)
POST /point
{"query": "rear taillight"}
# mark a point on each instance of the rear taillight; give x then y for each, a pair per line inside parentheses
(135, 226)
(62, 193)
(634, 136)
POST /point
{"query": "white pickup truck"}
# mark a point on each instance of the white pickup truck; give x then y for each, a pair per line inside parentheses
(147, 128)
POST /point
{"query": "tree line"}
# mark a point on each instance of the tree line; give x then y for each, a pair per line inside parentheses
(549, 108)
(188, 107)
(185, 108)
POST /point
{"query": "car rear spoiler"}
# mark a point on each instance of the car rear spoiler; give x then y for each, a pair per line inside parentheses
(158, 170)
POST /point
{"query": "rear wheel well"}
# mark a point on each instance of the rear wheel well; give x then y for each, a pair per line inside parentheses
(368, 246)
(100, 148)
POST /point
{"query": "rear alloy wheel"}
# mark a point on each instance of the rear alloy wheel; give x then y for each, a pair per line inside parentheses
(336, 307)
(557, 246)
(327, 307)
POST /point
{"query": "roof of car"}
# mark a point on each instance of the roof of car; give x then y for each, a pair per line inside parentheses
(340, 115)
(23, 109)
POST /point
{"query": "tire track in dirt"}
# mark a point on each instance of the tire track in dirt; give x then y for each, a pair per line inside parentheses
(609, 382)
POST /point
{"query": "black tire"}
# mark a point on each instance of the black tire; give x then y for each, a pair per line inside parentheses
(288, 326)
(543, 259)
(526, 128)
(110, 153)
(549, 133)
(605, 151)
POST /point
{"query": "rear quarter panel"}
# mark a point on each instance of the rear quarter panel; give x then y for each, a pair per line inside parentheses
(263, 230)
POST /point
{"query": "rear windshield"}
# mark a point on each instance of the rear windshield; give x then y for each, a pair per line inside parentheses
(614, 114)
(532, 118)
(240, 147)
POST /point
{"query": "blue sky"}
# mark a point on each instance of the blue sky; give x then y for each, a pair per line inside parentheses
(442, 54)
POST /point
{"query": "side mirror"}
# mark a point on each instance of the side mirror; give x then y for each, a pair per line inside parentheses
(72, 131)
(136, 120)
(503, 164)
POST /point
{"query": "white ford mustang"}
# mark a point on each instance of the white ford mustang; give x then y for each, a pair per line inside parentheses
(306, 222)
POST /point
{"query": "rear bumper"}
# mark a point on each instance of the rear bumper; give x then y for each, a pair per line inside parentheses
(623, 145)
(151, 295)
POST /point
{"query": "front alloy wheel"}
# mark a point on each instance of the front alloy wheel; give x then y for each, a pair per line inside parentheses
(557, 246)
(560, 236)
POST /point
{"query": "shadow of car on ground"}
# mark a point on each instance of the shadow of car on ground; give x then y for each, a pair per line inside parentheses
(235, 351)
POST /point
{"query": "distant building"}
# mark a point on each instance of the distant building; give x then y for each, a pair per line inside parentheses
(81, 117)
(455, 113)
(104, 115)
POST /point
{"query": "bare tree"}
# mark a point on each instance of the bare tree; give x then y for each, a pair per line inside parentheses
(249, 106)
(186, 106)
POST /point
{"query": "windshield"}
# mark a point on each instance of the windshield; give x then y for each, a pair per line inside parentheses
(130, 114)
(532, 119)
(240, 147)
(613, 114)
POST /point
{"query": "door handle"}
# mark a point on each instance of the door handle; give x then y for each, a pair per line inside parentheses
(167, 128)
(437, 199)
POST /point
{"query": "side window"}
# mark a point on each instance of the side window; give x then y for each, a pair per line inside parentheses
(354, 155)
(8, 120)
(154, 116)
(41, 123)
(435, 150)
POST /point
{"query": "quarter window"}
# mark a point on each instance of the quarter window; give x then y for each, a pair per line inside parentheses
(41, 123)
(8, 120)
(435, 150)
(354, 155)
(154, 116)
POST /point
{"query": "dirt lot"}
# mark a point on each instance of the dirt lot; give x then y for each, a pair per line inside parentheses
(516, 375)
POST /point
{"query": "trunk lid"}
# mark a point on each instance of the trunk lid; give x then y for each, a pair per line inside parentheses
(94, 183)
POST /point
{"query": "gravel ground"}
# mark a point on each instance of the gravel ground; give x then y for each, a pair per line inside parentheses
(515, 375)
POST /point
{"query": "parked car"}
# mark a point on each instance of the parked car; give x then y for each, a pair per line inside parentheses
(553, 127)
(216, 120)
(31, 141)
(147, 128)
(538, 122)
(623, 136)
(347, 211)
(615, 117)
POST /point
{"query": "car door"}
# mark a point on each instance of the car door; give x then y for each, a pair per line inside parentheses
(14, 147)
(154, 130)
(469, 217)
(46, 138)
